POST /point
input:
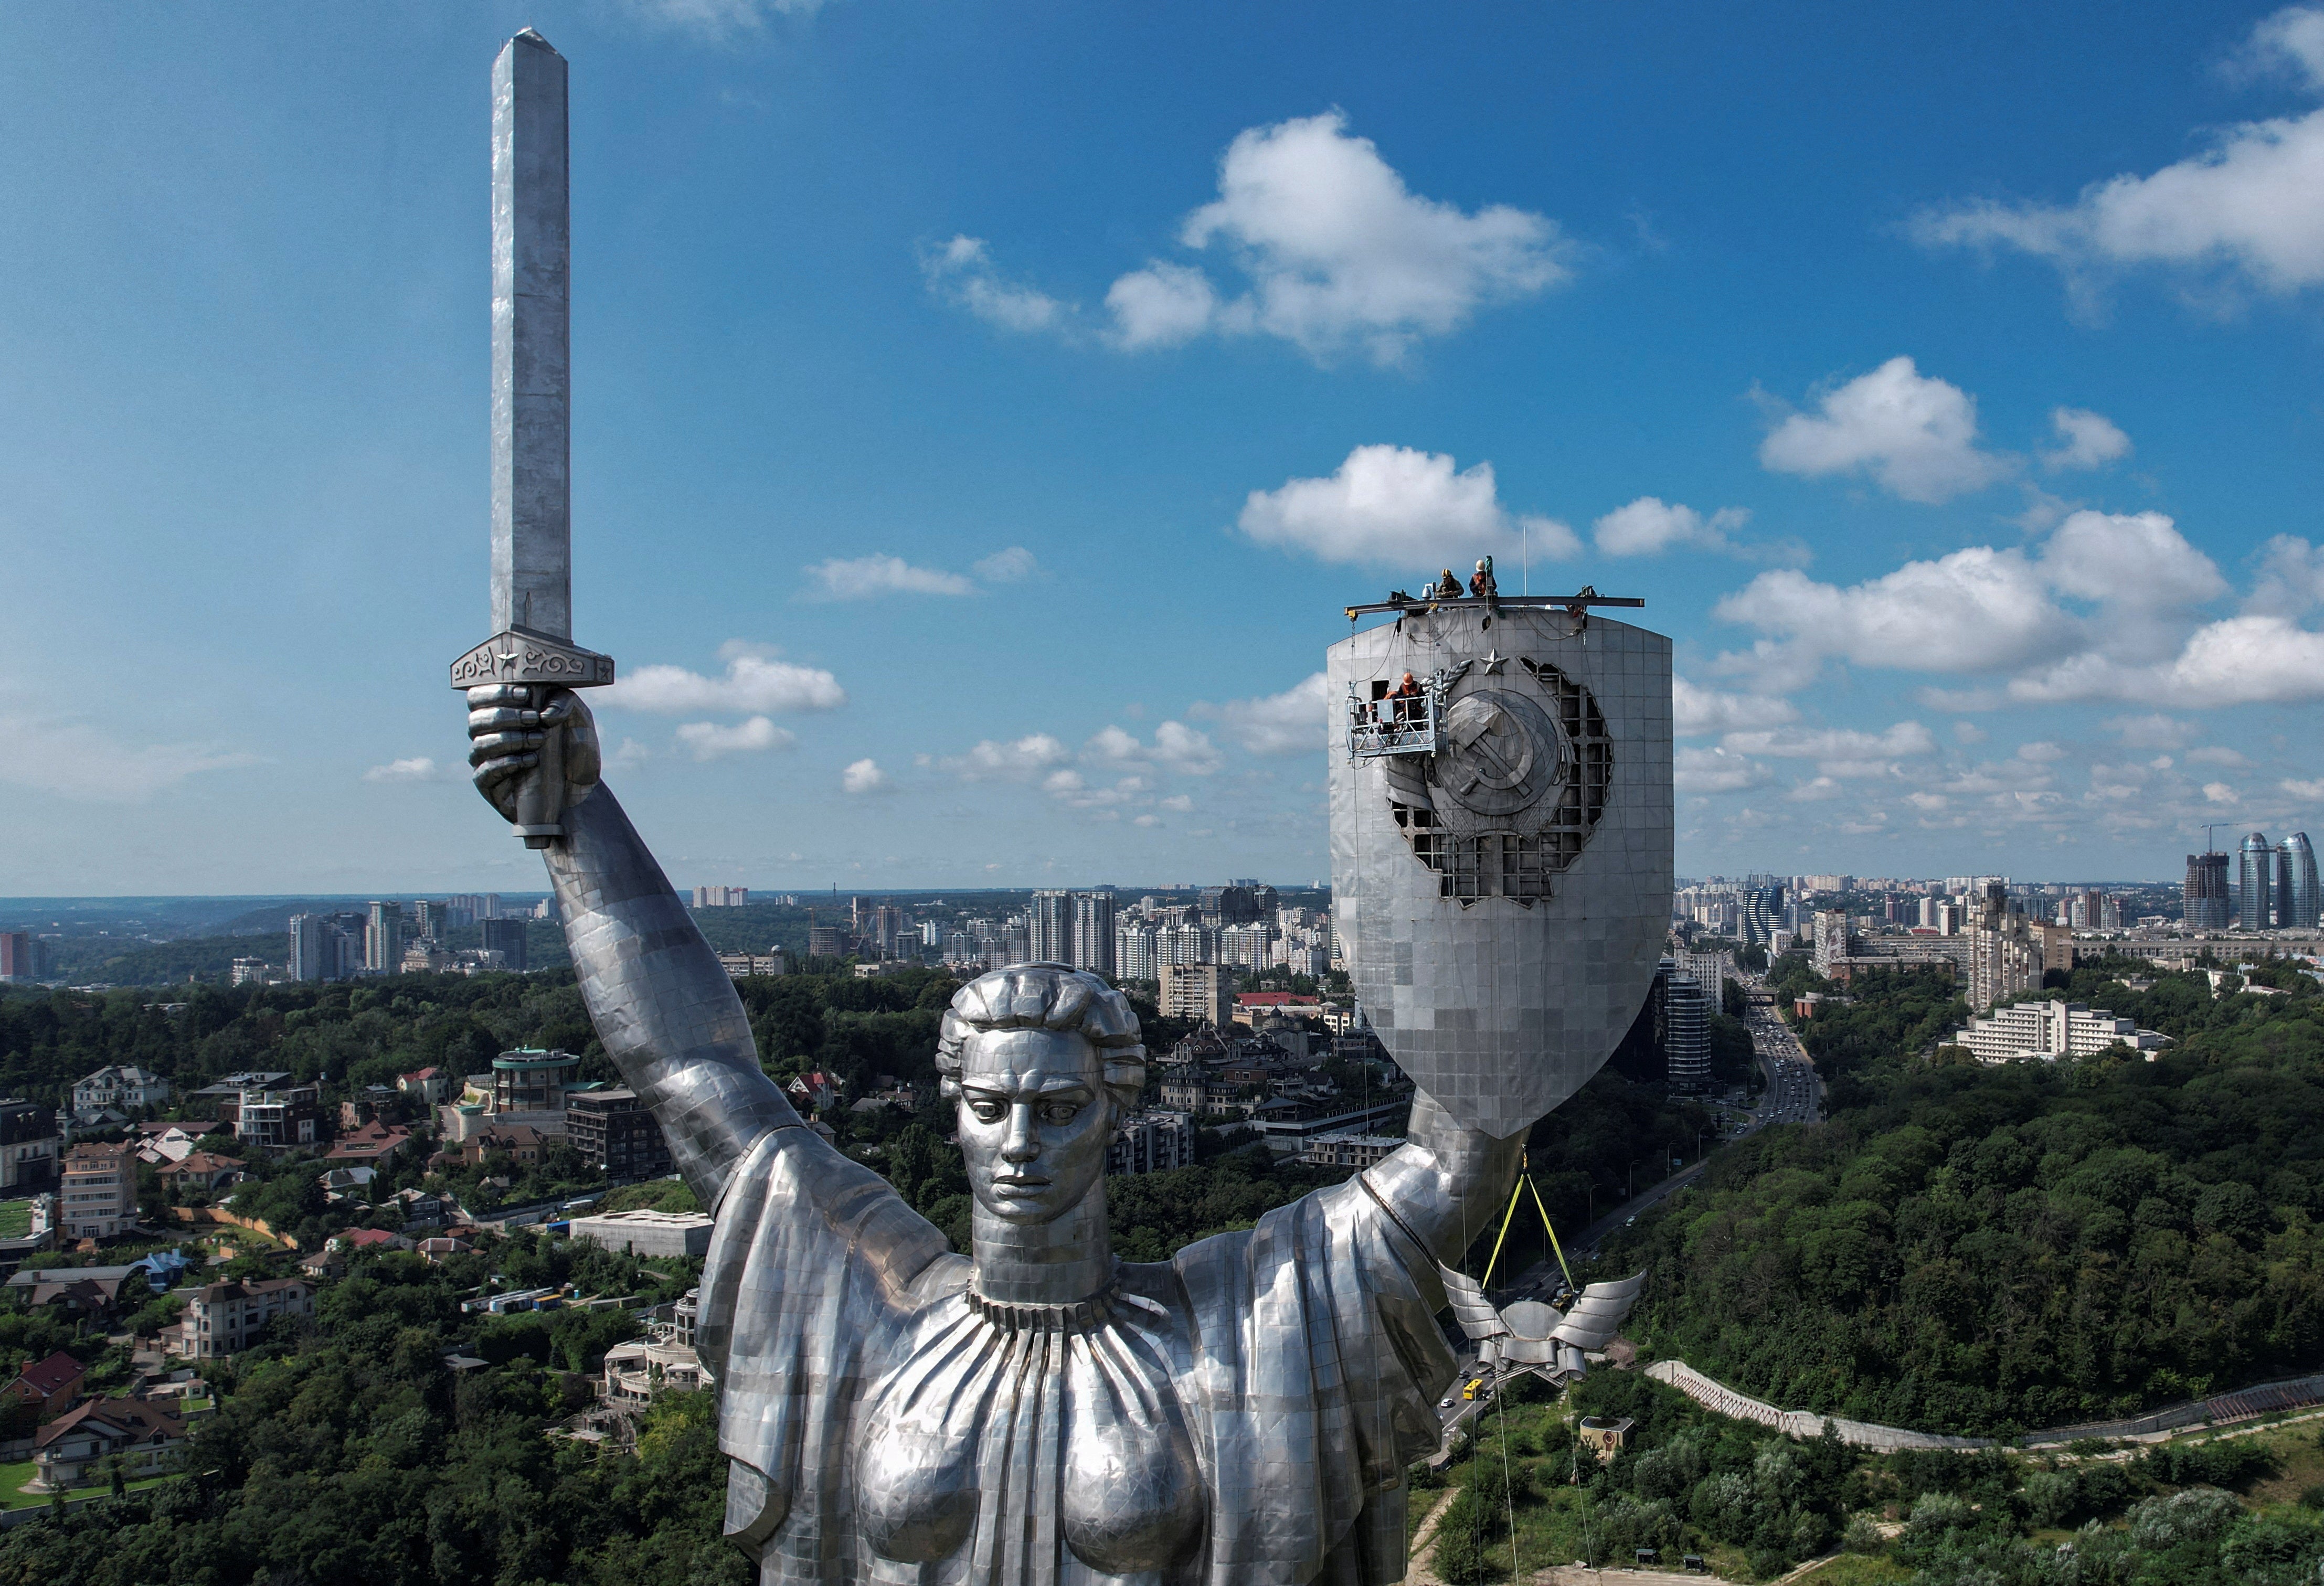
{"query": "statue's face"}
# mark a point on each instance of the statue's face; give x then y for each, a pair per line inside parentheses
(1034, 1121)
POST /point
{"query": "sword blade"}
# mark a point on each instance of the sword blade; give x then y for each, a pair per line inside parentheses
(532, 453)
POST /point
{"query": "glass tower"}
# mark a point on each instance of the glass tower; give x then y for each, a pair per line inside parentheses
(2255, 876)
(2297, 900)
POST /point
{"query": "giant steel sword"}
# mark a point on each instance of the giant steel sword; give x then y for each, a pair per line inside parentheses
(532, 391)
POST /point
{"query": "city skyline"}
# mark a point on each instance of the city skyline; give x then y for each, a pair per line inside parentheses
(973, 456)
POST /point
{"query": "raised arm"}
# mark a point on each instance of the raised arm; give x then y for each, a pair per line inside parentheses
(1447, 1183)
(667, 1012)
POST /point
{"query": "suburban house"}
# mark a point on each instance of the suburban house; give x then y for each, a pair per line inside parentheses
(72, 1450)
(118, 1087)
(431, 1086)
(200, 1170)
(51, 1384)
(372, 1142)
(227, 1318)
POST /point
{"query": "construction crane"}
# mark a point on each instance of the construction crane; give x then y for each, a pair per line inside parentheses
(2211, 843)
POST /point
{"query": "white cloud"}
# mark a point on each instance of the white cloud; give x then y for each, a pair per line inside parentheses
(1340, 254)
(2152, 731)
(1393, 505)
(1111, 743)
(1179, 803)
(2040, 752)
(2310, 792)
(1147, 820)
(1716, 770)
(863, 776)
(711, 740)
(1649, 525)
(1294, 722)
(1968, 732)
(2248, 212)
(717, 21)
(418, 768)
(2086, 439)
(1699, 712)
(1840, 752)
(2290, 580)
(631, 755)
(754, 681)
(1183, 749)
(962, 271)
(55, 755)
(1915, 435)
(1018, 760)
(1163, 304)
(1816, 790)
(2217, 754)
(870, 577)
(1983, 610)
(2220, 793)
(1012, 565)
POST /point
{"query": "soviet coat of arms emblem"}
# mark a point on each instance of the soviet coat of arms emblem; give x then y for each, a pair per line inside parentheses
(1502, 831)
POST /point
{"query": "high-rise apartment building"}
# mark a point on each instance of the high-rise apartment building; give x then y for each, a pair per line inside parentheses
(2255, 879)
(309, 932)
(1762, 914)
(1093, 933)
(506, 937)
(21, 957)
(1682, 1024)
(428, 921)
(1134, 953)
(2298, 904)
(2208, 900)
(383, 939)
(1050, 926)
(1200, 991)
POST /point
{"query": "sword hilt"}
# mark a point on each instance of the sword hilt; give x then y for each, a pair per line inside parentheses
(518, 655)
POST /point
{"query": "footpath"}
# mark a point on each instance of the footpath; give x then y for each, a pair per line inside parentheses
(2266, 1398)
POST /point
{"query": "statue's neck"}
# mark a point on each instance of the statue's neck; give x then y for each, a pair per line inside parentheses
(1044, 1263)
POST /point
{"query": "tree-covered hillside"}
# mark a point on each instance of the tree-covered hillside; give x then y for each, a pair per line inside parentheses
(1977, 1248)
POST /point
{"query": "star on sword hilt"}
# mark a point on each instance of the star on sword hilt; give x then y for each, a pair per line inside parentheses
(518, 657)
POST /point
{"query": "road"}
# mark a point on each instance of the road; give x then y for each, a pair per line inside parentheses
(1794, 1095)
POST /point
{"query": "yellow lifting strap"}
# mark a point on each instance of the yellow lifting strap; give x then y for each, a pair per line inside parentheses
(1516, 1193)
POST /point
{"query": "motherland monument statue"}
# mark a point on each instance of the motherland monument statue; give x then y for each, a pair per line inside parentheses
(1035, 1412)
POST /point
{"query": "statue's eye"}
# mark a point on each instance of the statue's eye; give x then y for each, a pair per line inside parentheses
(987, 1111)
(1059, 1112)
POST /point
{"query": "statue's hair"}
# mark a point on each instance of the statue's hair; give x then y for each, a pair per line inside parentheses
(1047, 996)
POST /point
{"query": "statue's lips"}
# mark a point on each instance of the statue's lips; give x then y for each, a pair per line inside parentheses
(1019, 1186)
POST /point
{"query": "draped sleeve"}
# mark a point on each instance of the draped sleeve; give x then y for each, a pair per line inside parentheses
(1316, 1363)
(814, 1267)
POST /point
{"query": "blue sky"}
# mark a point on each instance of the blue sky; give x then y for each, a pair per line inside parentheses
(1945, 382)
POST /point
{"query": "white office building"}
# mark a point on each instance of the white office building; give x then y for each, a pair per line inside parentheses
(2052, 1031)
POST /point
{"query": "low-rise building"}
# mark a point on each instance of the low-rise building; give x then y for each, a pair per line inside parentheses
(2053, 1030)
(431, 1086)
(100, 1435)
(647, 1233)
(1348, 1150)
(49, 1386)
(1152, 1142)
(121, 1087)
(373, 1143)
(200, 1170)
(97, 1190)
(226, 1318)
(613, 1130)
(30, 1144)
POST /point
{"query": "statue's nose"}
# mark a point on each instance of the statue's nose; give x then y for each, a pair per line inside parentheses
(1023, 1144)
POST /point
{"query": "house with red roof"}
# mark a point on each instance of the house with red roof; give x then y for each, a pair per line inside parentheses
(374, 1142)
(431, 1086)
(51, 1384)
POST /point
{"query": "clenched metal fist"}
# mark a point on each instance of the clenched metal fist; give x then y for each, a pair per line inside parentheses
(507, 725)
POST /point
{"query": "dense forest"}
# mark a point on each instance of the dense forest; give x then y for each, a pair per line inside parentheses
(1754, 1502)
(1978, 1249)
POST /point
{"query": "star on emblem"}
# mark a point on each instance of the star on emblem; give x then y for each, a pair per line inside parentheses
(1490, 661)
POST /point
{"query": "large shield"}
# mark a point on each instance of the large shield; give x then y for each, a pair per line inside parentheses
(1501, 845)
